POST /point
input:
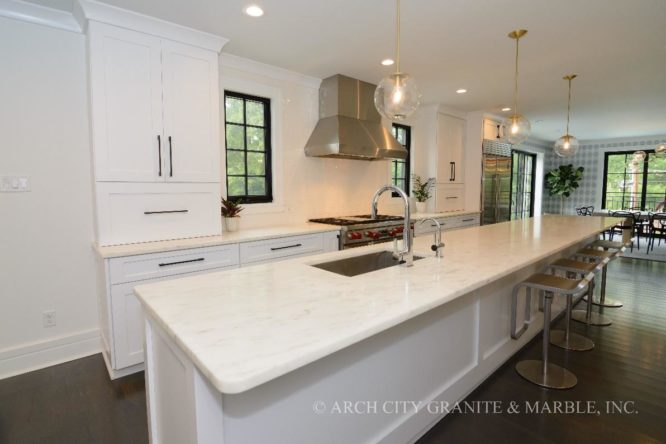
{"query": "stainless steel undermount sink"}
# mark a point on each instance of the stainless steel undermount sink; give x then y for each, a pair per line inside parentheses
(355, 265)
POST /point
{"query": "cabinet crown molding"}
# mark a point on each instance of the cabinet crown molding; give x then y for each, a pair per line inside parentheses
(39, 15)
(85, 10)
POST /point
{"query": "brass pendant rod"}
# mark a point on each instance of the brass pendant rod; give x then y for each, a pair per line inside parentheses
(397, 38)
(569, 78)
(515, 91)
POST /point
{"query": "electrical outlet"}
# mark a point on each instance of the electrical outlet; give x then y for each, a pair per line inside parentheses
(49, 318)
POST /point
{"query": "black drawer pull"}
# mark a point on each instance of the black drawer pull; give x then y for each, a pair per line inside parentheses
(166, 264)
(451, 197)
(166, 212)
(467, 220)
(441, 224)
(159, 154)
(288, 246)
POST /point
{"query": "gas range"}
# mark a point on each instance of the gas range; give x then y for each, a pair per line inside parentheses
(357, 231)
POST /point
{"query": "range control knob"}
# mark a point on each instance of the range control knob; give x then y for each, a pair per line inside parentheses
(373, 234)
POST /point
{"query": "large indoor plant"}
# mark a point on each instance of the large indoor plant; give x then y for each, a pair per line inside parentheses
(422, 191)
(563, 181)
(231, 213)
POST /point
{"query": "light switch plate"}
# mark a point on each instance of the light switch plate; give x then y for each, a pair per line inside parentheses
(14, 184)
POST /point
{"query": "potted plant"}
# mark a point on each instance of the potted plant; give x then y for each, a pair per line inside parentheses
(231, 213)
(422, 191)
(563, 181)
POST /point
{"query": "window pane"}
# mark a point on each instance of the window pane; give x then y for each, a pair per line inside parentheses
(233, 108)
(235, 137)
(235, 162)
(400, 183)
(401, 170)
(254, 113)
(255, 139)
(256, 186)
(235, 186)
(256, 164)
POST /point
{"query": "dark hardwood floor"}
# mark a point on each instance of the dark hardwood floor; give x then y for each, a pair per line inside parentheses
(76, 403)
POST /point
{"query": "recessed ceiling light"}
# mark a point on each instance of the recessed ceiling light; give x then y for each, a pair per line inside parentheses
(254, 11)
(387, 62)
(461, 91)
(505, 109)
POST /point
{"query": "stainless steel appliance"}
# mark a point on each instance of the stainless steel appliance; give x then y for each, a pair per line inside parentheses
(349, 126)
(357, 231)
(496, 182)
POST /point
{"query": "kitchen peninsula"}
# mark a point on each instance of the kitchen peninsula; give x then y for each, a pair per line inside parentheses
(261, 354)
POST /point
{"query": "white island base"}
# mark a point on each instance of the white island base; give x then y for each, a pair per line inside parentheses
(375, 390)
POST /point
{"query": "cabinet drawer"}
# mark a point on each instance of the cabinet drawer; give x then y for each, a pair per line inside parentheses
(449, 198)
(128, 213)
(150, 266)
(462, 221)
(267, 250)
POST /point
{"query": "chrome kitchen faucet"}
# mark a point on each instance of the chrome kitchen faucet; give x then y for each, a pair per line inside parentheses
(405, 255)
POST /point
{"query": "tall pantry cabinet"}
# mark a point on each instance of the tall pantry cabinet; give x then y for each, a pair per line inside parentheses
(154, 103)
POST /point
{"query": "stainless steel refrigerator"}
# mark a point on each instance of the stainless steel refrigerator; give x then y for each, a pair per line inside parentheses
(496, 182)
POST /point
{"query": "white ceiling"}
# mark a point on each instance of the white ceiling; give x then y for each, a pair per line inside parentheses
(617, 47)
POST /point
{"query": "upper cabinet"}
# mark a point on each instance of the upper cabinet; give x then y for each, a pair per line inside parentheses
(491, 129)
(450, 149)
(155, 108)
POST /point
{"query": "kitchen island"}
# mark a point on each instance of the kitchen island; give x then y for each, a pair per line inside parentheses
(290, 353)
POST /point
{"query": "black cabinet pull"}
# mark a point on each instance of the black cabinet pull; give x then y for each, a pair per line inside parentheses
(451, 197)
(159, 154)
(170, 158)
(467, 220)
(454, 171)
(166, 264)
(451, 171)
(288, 246)
(441, 224)
(166, 211)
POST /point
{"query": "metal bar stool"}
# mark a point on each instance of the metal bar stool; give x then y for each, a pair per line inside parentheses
(588, 316)
(542, 372)
(565, 338)
(618, 248)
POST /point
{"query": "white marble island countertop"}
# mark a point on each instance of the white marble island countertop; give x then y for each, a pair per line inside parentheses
(245, 327)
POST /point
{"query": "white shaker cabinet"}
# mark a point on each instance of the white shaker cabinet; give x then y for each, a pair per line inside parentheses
(126, 104)
(155, 108)
(450, 149)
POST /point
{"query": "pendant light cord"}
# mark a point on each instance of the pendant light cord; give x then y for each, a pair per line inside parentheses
(397, 38)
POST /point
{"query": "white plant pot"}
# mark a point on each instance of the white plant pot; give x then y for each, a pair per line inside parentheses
(232, 223)
(421, 207)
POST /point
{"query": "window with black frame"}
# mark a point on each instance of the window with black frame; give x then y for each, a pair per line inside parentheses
(248, 147)
(400, 168)
(632, 185)
(522, 184)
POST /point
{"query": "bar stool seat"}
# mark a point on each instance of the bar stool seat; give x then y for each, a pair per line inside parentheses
(588, 316)
(542, 372)
(565, 338)
(618, 248)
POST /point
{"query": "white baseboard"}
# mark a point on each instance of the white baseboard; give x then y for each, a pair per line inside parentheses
(34, 356)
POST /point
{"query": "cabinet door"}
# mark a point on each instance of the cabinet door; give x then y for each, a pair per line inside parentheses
(449, 198)
(191, 113)
(126, 104)
(450, 147)
(127, 326)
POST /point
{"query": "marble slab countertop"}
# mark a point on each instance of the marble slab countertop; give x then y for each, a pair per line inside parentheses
(243, 235)
(247, 326)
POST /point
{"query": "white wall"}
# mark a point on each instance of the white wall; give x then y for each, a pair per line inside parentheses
(46, 259)
(306, 187)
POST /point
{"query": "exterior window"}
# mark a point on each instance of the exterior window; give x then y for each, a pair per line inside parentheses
(522, 184)
(400, 169)
(248, 147)
(629, 186)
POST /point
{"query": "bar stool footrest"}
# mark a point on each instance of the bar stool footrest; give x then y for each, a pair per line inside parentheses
(608, 302)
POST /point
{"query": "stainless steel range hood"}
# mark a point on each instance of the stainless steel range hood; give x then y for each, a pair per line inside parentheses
(349, 126)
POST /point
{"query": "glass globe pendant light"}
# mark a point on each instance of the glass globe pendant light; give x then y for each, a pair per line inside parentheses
(567, 145)
(516, 128)
(397, 96)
